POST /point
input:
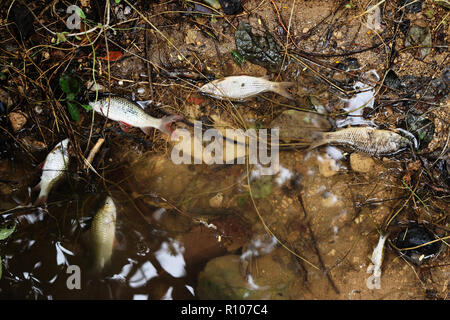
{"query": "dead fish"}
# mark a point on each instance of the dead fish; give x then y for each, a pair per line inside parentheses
(102, 234)
(365, 139)
(129, 114)
(53, 169)
(240, 88)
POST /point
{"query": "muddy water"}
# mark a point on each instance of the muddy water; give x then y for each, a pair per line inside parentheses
(192, 231)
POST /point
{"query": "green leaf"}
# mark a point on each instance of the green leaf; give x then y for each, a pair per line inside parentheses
(73, 111)
(117, 1)
(86, 107)
(7, 230)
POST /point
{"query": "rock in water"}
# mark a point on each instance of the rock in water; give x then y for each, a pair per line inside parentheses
(230, 6)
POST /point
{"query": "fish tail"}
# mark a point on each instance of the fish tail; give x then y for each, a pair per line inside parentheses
(281, 87)
(318, 139)
(166, 124)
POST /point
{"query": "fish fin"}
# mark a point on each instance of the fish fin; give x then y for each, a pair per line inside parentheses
(124, 126)
(40, 201)
(280, 88)
(318, 139)
(166, 124)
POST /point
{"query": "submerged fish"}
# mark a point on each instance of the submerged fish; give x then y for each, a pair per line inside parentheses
(53, 170)
(102, 234)
(129, 114)
(365, 139)
(240, 88)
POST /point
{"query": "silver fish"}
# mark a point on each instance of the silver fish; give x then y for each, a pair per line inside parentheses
(240, 88)
(103, 232)
(129, 114)
(365, 139)
(55, 165)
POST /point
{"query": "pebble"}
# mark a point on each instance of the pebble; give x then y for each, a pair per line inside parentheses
(18, 120)
(328, 167)
(361, 163)
(216, 201)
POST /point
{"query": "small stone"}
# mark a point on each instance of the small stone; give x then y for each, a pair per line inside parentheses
(18, 120)
(216, 201)
(305, 30)
(361, 163)
(328, 167)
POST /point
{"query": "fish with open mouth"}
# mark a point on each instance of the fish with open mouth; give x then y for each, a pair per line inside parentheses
(369, 140)
(53, 169)
(241, 88)
(130, 114)
(102, 234)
